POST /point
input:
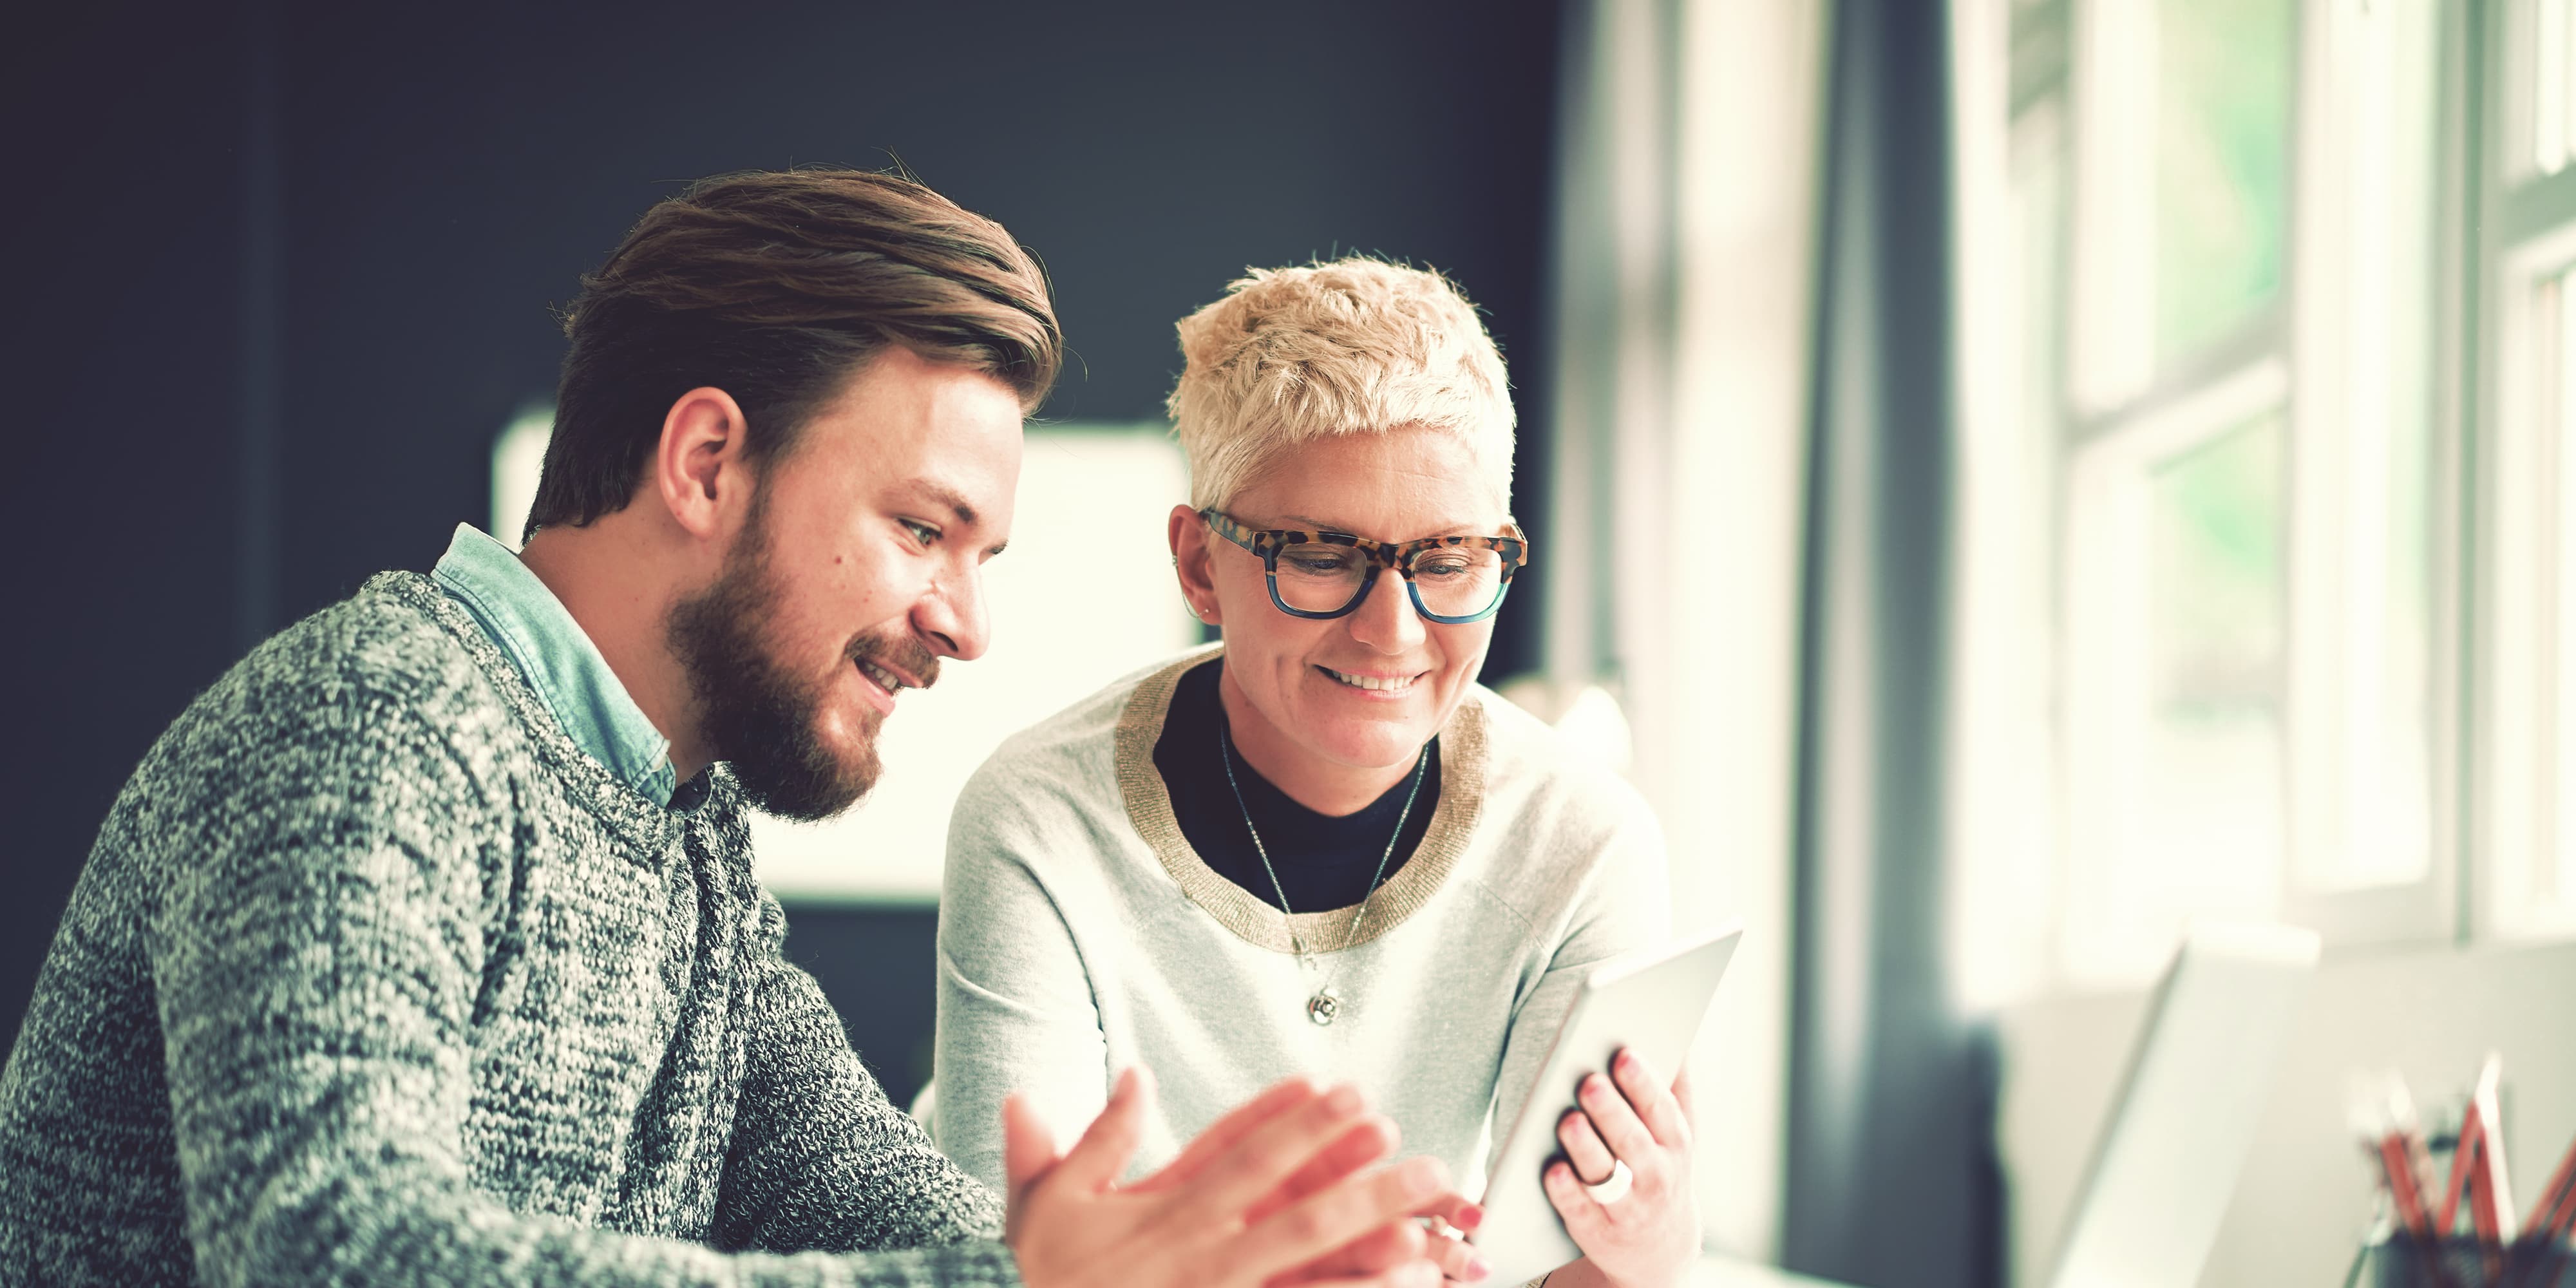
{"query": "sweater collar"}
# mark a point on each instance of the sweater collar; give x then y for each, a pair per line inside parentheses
(1149, 808)
(557, 658)
(708, 801)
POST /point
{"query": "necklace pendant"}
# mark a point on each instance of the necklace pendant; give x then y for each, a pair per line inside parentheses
(1323, 1006)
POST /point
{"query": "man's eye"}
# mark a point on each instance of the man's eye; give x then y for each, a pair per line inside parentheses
(921, 532)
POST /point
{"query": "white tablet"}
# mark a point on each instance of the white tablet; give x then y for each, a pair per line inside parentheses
(1650, 1002)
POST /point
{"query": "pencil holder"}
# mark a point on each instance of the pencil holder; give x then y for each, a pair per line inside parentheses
(2465, 1263)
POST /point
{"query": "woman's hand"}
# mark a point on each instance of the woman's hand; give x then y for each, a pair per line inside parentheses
(1450, 1220)
(1280, 1191)
(1647, 1237)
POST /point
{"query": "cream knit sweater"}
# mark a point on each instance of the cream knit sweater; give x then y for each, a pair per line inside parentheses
(1080, 934)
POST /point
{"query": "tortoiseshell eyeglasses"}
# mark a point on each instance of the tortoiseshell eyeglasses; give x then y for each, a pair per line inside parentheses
(1323, 575)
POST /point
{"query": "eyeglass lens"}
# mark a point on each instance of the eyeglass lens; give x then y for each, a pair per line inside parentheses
(1453, 581)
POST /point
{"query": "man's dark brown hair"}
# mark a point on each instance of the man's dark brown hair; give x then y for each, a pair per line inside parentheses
(775, 287)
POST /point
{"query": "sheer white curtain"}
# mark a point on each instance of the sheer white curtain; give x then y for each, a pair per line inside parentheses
(1684, 283)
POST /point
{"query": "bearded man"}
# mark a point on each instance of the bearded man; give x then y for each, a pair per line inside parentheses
(424, 947)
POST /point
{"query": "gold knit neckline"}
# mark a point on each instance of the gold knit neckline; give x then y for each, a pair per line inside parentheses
(1149, 808)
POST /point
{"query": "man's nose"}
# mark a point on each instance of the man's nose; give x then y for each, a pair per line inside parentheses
(953, 617)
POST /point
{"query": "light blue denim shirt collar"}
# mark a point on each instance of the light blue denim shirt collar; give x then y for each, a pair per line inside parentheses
(540, 636)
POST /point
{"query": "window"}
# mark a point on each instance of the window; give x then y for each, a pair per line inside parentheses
(2175, 595)
(2527, 488)
(2182, 155)
(2372, 764)
(2232, 365)
(2175, 710)
(2539, 112)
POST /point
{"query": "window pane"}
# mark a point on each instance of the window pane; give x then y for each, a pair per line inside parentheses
(2363, 754)
(2528, 511)
(2388, 734)
(2223, 95)
(2003, 780)
(2556, 342)
(2562, 63)
(2038, 233)
(2211, 820)
(2550, 107)
(2175, 701)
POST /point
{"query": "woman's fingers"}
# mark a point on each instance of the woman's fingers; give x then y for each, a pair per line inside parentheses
(1617, 1121)
(1584, 1217)
(1651, 1097)
(1453, 1210)
(1457, 1259)
(1584, 1148)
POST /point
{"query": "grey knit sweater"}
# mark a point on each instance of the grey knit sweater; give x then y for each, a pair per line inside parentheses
(374, 978)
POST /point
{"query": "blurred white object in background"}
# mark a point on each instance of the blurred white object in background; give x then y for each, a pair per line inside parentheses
(1596, 726)
(1588, 717)
(1084, 595)
(518, 460)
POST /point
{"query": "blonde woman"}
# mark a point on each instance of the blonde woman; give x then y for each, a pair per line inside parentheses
(1320, 847)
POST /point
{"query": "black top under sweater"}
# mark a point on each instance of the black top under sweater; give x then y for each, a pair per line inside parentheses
(1324, 862)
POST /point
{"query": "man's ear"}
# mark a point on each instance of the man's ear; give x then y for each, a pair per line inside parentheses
(698, 469)
(1191, 560)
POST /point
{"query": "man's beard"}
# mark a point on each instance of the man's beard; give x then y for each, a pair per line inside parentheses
(762, 718)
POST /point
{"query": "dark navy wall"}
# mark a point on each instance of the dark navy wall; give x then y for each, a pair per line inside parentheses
(277, 272)
(875, 964)
(121, 229)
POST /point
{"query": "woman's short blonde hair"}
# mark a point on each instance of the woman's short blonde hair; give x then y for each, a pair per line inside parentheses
(1359, 345)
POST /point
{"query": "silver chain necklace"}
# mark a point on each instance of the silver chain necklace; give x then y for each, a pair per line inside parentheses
(1326, 1003)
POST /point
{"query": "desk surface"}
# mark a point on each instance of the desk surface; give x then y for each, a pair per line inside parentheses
(1725, 1272)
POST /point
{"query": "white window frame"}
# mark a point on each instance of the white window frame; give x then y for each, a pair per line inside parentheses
(2528, 235)
(2302, 353)
(2106, 487)
(2342, 302)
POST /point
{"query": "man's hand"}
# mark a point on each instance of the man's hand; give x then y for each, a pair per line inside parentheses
(1369, 1139)
(1276, 1193)
(1647, 1237)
